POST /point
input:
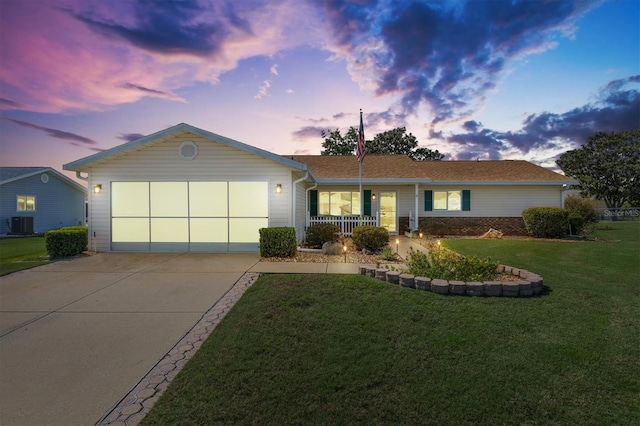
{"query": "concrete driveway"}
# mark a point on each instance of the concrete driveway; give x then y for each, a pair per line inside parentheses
(76, 335)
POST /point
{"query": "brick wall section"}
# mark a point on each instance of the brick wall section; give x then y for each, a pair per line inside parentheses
(467, 225)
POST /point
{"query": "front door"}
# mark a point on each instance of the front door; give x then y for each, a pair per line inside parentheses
(389, 211)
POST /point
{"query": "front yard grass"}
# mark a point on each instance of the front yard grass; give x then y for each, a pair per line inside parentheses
(22, 253)
(336, 349)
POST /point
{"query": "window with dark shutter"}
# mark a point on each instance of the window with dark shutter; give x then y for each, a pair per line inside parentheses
(367, 202)
(313, 202)
(466, 200)
(428, 200)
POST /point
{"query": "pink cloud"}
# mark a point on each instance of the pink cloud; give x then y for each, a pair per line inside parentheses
(59, 59)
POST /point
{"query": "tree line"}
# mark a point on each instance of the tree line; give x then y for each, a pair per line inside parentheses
(392, 142)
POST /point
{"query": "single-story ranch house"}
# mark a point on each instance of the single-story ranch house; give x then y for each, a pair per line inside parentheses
(38, 199)
(186, 189)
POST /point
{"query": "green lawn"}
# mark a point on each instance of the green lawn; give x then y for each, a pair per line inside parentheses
(330, 349)
(21, 253)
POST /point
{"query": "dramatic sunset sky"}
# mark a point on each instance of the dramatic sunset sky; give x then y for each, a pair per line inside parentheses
(473, 79)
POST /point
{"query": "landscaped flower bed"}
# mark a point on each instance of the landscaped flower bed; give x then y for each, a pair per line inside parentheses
(527, 283)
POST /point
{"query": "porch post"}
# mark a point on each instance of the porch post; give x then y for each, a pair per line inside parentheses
(417, 204)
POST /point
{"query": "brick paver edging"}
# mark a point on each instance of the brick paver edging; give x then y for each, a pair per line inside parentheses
(131, 409)
(528, 285)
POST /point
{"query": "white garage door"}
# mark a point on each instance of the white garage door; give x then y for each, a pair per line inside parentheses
(188, 216)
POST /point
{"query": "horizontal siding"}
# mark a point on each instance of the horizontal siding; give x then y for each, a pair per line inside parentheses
(486, 201)
(214, 162)
(301, 211)
(499, 200)
(58, 204)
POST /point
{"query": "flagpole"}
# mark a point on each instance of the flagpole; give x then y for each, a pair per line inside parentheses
(360, 153)
(361, 196)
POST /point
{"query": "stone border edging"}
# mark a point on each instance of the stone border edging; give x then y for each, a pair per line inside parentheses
(528, 285)
(132, 408)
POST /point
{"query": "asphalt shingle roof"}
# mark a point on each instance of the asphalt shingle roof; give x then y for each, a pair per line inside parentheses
(403, 167)
(14, 172)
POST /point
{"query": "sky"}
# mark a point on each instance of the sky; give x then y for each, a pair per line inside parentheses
(473, 79)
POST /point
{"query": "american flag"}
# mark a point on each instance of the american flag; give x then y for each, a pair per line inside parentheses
(360, 148)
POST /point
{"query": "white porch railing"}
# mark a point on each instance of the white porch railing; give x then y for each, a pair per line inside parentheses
(344, 223)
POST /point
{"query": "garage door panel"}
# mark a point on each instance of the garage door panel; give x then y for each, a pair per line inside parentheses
(130, 199)
(208, 199)
(129, 230)
(169, 230)
(209, 230)
(246, 230)
(169, 199)
(248, 199)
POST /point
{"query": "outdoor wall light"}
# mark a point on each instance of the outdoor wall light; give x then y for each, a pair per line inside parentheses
(373, 196)
(278, 188)
(97, 188)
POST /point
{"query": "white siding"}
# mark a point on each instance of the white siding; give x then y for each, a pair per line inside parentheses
(162, 161)
(301, 210)
(498, 200)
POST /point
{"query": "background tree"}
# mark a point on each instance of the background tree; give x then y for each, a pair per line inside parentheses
(426, 154)
(391, 142)
(607, 167)
(395, 142)
(336, 144)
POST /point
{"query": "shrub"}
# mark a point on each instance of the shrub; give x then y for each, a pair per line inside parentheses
(278, 242)
(581, 207)
(449, 265)
(546, 222)
(372, 238)
(68, 241)
(387, 253)
(576, 224)
(320, 233)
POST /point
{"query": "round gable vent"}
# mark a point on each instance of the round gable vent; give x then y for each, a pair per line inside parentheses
(188, 150)
(44, 178)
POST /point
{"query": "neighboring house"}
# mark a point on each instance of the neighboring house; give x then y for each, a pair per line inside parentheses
(186, 189)
(38, 199)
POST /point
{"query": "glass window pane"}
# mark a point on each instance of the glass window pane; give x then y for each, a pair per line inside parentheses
(209, 230)
(130, 230)
(208, 199)
(21, 203)
(323, 203)
(439, 200)
(355, 203)
(169, 230)
(337, 205)
(130, 199)
(169, 199)
(248, 199)
(455, 200)
(31, 204)
(246, 230)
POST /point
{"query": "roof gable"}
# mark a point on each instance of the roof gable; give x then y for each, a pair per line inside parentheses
(84, 164)
(12, 174)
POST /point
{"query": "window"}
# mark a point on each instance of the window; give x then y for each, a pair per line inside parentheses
(338, 203)
(447, 200)
(26, 203)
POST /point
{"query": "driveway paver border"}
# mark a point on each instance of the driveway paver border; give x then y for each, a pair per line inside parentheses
(132, 408)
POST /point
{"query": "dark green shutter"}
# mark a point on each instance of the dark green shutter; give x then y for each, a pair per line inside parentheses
(367, 202)
(313, 202)
(466, 200)
(428, 201)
